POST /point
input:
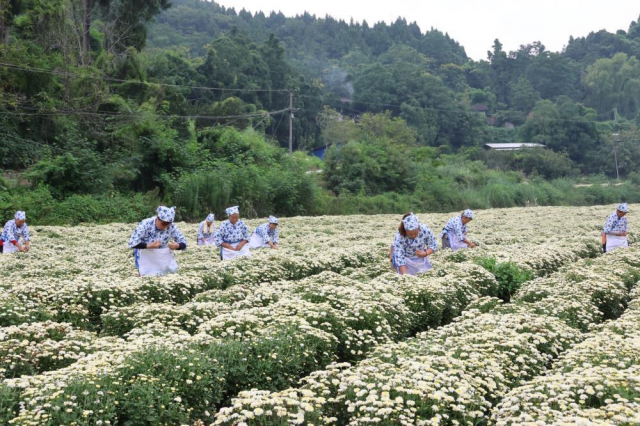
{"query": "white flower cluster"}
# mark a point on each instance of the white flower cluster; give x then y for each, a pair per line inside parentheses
(596, 382)
(82, 337)
(456, 374)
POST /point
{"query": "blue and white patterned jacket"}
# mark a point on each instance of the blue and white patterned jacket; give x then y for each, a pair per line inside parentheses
(229, 233)
(147, 232)
(405, 247)
(203, 235)
(267, 234)
(11, 232)
(615, 224)
(456, 227)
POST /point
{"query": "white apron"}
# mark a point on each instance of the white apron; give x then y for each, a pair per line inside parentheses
(207, 241)
(156, 262)
(232, 254)
(417, 265)
(257, 241)
(9, 247)
(614, 242)
(455, 243)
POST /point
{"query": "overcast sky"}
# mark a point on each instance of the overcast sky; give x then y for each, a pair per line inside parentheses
(474, 23)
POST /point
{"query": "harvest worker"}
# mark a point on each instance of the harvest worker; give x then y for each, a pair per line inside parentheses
(614, 234)
(412, 245)
(233, 236)
(207, 231)
(454, 234)
(13, 230)
(153, 251)
(265, 235)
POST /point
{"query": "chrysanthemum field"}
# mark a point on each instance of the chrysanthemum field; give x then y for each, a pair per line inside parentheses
(534, 327)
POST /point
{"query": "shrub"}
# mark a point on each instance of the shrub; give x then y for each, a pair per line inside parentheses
(509, 275)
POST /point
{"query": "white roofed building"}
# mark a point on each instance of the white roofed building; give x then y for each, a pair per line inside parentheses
(511, 146)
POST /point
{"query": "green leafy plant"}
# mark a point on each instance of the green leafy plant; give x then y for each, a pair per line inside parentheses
(509, 275)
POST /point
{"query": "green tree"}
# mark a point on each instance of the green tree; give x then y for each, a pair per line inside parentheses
(562, 126)
(553, 75)
(522, 95)
(614, 83)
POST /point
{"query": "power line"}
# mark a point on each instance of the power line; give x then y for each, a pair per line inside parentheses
(138, 114)
(119, 80)
(217, 89)
(277, 127)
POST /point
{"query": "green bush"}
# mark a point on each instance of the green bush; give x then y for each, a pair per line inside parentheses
(258, 363)
(43, 209)
(69, 173)
(510, 276)
(169, 386)
(9, 403)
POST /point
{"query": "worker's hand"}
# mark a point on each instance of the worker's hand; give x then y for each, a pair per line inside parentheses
(173, 246)
(240, 245)
(26, 248)
(153, 245)
(421, 253)
(471, 245)
(274, 246)
(623, 234)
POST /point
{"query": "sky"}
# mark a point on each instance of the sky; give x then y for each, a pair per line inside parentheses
(474, 23)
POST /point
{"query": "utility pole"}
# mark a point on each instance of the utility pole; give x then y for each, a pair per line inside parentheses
(290, 122)
(616, 137)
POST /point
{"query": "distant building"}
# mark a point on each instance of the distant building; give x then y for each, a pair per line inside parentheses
(511, 146)
(319, 152)
(480, 108)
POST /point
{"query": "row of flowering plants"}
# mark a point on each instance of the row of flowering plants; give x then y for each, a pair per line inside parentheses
(596, 382)
(78, 277)
(492, 361)
(86, 342)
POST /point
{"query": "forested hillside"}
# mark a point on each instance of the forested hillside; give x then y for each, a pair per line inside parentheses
(109, 107)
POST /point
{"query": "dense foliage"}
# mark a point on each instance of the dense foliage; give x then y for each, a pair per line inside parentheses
(187, 102)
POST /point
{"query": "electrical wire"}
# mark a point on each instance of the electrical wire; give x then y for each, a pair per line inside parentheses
(458, 111)
(119, 80)
(136, 114)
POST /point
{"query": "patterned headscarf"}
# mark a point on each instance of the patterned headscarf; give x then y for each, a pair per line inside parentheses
(623, 207)
(232, 210)
(20, 215)
(273, 219)
(468, 213)
(166, 214)
(411, 222)
(210, 217)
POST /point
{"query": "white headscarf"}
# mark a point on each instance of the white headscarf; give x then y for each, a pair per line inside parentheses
(210, 217)
(166, 214)
(232, 210)
(273, 219)
(623, 207)
(411, 222)
(468, 213)
(20, 215)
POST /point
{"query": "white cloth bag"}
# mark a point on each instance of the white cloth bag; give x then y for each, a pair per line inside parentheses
(615, 241)
(9, 248)
(257, 241)
(157, 262)
(232, 254)
(417, 265)
(455, 243)
(207, 241)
